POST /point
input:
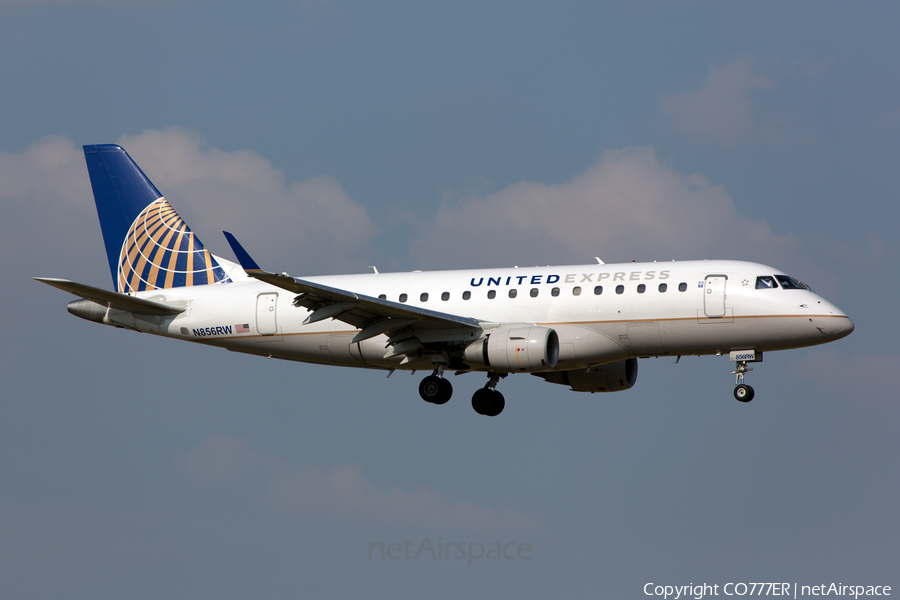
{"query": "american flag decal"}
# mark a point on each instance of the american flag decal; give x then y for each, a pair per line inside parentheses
(245, 328)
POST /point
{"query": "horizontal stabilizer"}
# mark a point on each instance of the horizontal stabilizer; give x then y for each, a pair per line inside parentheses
(115, 300)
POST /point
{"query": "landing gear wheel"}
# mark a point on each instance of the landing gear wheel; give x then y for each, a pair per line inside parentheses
(488, 402)
(743, 393)
(436, 390)
(481, 400)
(497, 404)
(445, 392)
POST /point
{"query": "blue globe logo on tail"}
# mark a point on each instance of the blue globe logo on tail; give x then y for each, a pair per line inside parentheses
(148, 245)
(161, 251)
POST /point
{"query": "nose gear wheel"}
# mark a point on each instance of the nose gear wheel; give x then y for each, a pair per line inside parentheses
(742, 391)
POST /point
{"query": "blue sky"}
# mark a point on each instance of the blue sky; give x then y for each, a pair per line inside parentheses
(330, 136)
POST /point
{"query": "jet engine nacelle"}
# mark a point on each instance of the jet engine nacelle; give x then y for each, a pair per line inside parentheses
(581, 347)
(523, 349)
(613, 377)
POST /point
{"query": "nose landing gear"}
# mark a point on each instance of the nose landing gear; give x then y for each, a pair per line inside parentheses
(742, 391)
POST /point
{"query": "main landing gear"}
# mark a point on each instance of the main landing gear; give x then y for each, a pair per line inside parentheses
(435, 388)
(486, 401)
(742, 391)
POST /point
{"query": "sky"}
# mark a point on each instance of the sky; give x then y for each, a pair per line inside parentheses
(330, 136)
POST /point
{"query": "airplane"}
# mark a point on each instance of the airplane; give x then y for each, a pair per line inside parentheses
(582, 326)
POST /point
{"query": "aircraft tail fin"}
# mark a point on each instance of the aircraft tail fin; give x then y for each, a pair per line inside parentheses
(148, 245)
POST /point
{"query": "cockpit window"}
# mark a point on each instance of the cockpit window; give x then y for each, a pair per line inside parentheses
(765, 282)
(789, 283)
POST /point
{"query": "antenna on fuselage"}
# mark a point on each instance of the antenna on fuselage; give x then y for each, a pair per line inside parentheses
(597, 258)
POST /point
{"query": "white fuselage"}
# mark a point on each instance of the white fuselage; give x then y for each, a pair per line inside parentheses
(607, 312)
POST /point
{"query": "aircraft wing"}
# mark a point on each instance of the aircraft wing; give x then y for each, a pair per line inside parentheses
(115, 300)
(373, 316)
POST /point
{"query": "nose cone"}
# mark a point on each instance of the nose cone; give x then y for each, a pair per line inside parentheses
(831, 321)
(834, 323)
(841, 327)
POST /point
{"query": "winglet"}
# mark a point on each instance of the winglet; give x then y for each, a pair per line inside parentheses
(246, 262)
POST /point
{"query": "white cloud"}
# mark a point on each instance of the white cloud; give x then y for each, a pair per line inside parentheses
(342, 491)
(626, 206)
(47, 204)
(306, 227)
(719, 111)
(45, 172)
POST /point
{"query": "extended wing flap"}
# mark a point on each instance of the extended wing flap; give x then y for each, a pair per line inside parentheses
(115, 300)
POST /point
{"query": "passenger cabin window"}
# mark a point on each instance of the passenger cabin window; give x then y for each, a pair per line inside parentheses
(554, 292)
(682, 287)
(467, 295)
(423, 297)
(620, 289)
(576, 291)
(642, 288)
(765, 282)
(403, 297)
(513, 293)
(445, 296)
(382, 296)
(492, 294)
(598, 289)
(789, 283)
(662, 288)
(534, 292)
